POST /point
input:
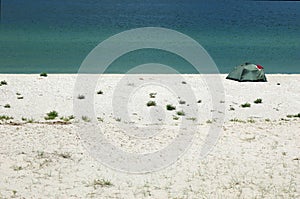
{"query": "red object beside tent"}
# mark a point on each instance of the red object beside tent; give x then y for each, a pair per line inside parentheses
(259, 67)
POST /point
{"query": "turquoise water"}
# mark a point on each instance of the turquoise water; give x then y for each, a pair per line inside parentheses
(55, 36)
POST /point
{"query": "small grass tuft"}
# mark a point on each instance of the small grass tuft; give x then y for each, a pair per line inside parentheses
(118, 119)
(291, 116)
(102, 183)
(20, 97)
(246, 105)
(180, 113)
(208, 121)
(191, 118)
(175, 117)
(28, 120)
(51, 115)
(152, 95)
(237, 120)
(65, 119)
(17, 168)
(183, 82)
(3, 82)
(231, 108)
(5, 117)
(85, 118)
(258, 101)
(100, 119)
(182, 102)
(7, 106)
(100, 92)
(43, 74)
(65, 155)
(170, 107)
(80, 97)
(151, 103)
(251, 121)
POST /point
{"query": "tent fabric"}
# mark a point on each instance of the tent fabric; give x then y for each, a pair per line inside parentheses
(248, 72)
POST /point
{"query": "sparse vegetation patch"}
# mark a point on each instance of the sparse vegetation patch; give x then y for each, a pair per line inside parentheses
(3, 82)
(100, 92)
(175, 117)
(246, 105)
(180, 113)
(43, 74)
(182, 102)
(51, 115)
(80, 96)
(291, 116)
(102, 183)
(170, 107)
(258, 101)
(151, 103)
(85, 118)
(152, 95)
(5, 117)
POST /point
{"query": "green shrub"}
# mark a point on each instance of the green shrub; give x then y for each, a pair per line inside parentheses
(3, 82)
(5, 117)
(291, 116)
(51, 115)
(100, 92)
(80, 96)
(258, 101)
(6, 106)
(180, 113)
(246, 105)
(43, 74)
(170, 107)
(199, 101)
(151, 103)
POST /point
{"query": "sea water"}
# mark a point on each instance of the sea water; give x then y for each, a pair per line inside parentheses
(56, 35)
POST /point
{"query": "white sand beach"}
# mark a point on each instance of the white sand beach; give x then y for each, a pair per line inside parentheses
(256, 154)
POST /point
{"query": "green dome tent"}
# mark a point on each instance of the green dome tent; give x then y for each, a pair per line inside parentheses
(248, 73)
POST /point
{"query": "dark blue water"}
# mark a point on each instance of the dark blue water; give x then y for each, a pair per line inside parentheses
(56, 35)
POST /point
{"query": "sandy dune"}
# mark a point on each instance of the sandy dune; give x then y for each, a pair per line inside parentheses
(256, 154)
